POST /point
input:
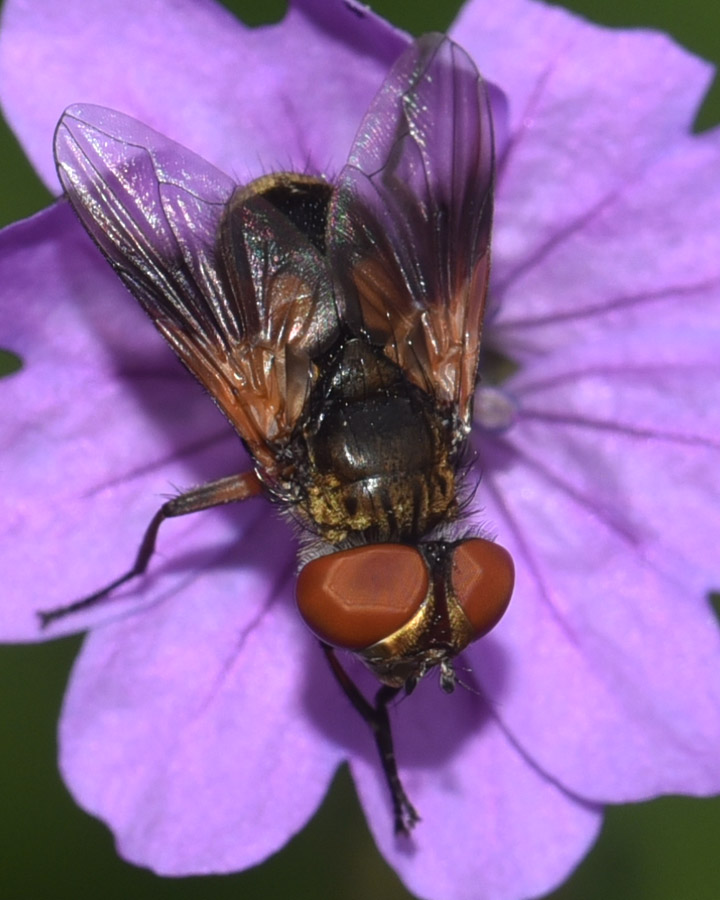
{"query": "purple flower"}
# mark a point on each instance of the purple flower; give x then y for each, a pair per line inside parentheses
(201, 722)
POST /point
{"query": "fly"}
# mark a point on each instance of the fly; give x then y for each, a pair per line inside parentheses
(337, 325)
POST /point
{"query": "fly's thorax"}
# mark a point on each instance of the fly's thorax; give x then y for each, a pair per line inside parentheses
(380, 455)
(379, 469)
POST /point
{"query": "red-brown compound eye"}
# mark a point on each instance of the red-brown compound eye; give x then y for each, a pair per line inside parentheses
(483, 576)
(355, 598)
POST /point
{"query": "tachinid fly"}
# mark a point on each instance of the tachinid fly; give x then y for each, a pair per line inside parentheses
(337, 325)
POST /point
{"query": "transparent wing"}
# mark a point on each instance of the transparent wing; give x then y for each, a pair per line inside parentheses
(157, 211)
(411, 219)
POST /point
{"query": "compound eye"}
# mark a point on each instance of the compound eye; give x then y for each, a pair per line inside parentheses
(483, 577)
(355, 598)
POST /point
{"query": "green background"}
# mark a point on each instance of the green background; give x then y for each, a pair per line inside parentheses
(667, 849)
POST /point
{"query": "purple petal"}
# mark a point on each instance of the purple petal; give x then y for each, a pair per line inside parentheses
(643, 254)
(204, 729)
(100, 424)
(185, 729)
(603, 199)
(243, 98)
(492, 825)
(563, 74)
(633, 419)
(611, 507)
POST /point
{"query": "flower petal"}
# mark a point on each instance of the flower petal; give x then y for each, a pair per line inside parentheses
(550, 62)
(636, 430)
(239, 97)
(645, 253)
(208, 761)
(492, 825)
(594, 227)
(99, 422)
(611, 507)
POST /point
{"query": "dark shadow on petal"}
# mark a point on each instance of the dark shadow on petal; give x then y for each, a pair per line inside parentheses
(328, 708)
(189, 425)
(429, 726)
(436, 725)
(492, 452)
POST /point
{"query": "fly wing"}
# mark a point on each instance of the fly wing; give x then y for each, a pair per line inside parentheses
(411, 219)
(156, 211)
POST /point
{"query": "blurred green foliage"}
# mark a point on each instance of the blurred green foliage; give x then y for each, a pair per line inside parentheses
(664, 850)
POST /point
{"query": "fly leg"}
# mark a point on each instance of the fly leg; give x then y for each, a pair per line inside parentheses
(404, 814)
(225, 490)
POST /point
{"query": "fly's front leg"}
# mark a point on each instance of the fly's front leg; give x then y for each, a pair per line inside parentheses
(404, 814)
(225, 490)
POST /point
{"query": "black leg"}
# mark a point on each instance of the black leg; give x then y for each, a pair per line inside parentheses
(214, 493)
(404, 813)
